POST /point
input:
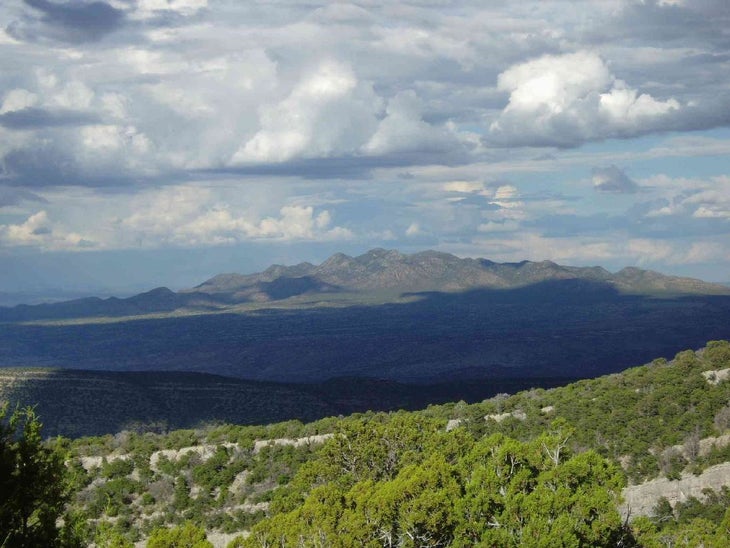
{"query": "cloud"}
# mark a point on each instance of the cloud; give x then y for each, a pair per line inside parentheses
(18, 99)
(152, 8)
(327, 112)
(404, 130)
(465, 187)
(612, 179)
(414, 229)
(687, 199)
(565, 100)
(297, 222)
(73, 22)
(38, 231)
(186, 216)
(498, 226)
(179, 123)
(16, 196)
(591, 250)
(38, 118)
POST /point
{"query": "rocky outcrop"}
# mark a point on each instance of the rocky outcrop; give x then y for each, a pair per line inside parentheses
(640, 500)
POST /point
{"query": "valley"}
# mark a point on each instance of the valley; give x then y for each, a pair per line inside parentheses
(229, 409)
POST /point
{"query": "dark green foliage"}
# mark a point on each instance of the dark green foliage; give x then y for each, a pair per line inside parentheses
(117, 468)
(181, 498)
(32, 487)
(185, 536)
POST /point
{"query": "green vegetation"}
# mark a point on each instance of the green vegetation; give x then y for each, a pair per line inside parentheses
(31, 482)
(539, 468)
(691, 523)
(371, 486)
(184, 536)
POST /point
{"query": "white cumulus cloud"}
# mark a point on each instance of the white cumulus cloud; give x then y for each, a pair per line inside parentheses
(38, 231)
(327, 112)
(564, 100)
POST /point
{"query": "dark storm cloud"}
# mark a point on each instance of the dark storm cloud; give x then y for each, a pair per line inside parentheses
(38, 118)
(74, 22)
(45, 166)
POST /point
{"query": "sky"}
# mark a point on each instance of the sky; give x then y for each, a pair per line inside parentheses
(160, 142)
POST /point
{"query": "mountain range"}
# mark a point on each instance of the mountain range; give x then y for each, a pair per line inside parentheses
(423, 319)
(390, 270)
(382, 330)
(379, 274)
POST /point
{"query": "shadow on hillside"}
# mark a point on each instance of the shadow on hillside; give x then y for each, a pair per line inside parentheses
(163, 300)
(90, 403)
(565, 328)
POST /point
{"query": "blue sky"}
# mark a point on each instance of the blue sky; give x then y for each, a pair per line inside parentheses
(159, 142)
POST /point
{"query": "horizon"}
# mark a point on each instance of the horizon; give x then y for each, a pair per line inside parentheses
(50, 294)
(150, 143)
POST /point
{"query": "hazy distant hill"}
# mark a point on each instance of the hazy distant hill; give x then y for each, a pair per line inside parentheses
(385, 273)
(381, 269)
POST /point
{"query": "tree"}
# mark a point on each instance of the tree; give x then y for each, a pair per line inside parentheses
(501, 492)
(186, 535)
(32, 487)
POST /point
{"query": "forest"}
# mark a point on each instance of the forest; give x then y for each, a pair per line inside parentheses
(537, 468)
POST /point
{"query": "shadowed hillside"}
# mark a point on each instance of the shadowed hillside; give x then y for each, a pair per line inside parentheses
(86, 403)
(561, 328)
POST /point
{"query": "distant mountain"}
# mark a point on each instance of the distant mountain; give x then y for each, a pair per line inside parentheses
(381, 270)
(386, 273)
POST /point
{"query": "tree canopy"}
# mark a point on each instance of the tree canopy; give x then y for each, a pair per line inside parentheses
(32, 487)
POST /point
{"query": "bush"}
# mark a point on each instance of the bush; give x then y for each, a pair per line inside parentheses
(186, 535)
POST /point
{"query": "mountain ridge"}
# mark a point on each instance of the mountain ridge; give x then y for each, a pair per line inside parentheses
(376, 271)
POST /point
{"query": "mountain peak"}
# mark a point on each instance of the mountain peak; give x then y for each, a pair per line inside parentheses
(379, 253)
(338, 260)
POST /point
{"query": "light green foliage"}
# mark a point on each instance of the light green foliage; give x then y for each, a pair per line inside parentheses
(401, 479)
(631, 416)
(494, 492)
(106, 536)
